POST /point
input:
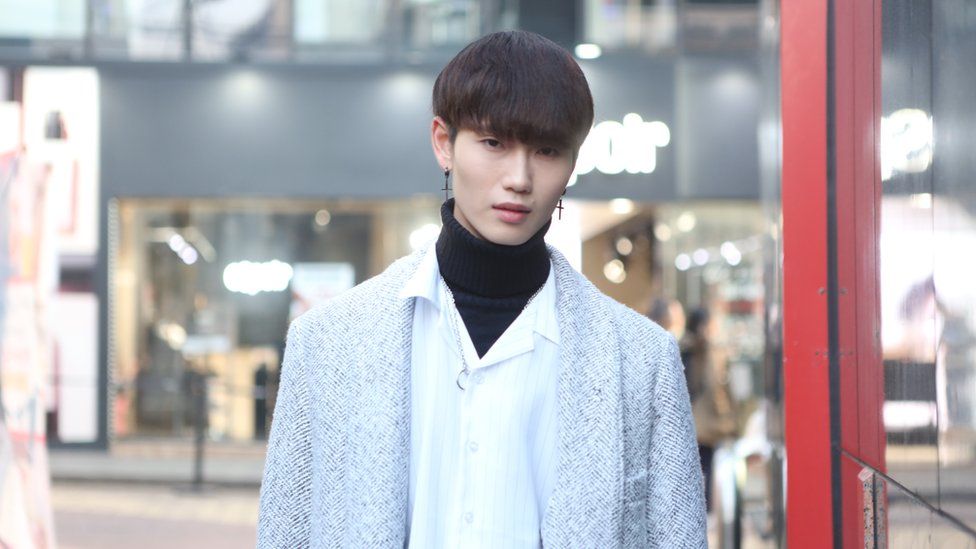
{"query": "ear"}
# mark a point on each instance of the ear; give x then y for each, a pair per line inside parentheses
(440, 140)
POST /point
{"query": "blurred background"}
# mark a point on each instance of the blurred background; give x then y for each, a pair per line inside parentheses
(181, 178)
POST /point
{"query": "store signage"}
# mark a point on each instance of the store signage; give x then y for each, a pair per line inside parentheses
(612, 147)
(906, 142)
(252, 278)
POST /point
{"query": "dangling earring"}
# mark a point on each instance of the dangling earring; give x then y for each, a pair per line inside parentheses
(447, 187)
(559, 206)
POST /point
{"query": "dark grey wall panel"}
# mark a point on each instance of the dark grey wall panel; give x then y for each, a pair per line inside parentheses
(209, 131)
(362, 132)
(717, 112)
(558, 20)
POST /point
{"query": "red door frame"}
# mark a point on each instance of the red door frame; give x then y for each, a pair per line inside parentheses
(833, 384)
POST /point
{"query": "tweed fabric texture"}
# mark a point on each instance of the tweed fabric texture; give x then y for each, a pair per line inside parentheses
(338, 459)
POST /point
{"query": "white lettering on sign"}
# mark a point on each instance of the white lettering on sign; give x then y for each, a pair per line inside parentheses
(612, 147)
(252, 278)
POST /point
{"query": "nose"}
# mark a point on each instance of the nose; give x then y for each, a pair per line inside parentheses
(518, 176)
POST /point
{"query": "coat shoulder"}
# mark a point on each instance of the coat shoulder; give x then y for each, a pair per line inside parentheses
(635, 325)
(641, 336)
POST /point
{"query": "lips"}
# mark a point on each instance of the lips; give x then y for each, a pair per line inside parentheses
(512, 207)
(510, 212)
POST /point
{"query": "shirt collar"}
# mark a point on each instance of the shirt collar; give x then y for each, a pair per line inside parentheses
(425, 283)
(545, 318)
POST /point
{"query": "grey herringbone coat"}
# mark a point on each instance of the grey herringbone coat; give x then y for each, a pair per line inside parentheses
(338, 463)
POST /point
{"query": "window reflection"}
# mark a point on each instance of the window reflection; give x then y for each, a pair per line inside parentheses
(927, 264)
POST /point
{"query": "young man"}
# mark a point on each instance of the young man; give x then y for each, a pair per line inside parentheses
(481, 392)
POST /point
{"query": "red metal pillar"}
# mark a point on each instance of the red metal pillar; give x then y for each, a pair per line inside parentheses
(833, 382)
(809, 518)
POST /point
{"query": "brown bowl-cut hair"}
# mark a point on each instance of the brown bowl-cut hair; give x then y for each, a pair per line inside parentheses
(516, 85)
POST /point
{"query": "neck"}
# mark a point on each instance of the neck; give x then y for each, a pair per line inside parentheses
(487, 269)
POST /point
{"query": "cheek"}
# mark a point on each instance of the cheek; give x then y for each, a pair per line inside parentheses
(554, 180)
(473, 172)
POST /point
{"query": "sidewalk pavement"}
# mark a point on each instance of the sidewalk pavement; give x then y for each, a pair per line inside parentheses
(93, 515)
(162, 461)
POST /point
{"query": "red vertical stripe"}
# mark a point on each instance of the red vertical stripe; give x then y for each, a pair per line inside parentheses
(857, 102)
(804, 194)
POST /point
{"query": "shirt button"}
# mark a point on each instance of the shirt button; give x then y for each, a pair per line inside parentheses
(469, 517)
(473, 446)
(480, 380)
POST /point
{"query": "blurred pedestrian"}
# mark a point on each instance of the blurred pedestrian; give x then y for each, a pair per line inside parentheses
(668, 314)
(261, 378)
(706, 373)
(480, 392)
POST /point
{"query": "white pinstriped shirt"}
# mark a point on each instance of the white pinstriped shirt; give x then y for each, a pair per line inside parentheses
(482, 461)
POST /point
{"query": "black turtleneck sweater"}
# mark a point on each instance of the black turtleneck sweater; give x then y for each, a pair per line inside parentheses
(491, 282)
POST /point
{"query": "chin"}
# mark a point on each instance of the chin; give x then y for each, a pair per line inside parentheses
(509, 241)
(508, 236)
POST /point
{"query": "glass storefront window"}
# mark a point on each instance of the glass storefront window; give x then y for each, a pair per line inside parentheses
(618, 24)
(246, 30)
(242, 30)
(138, 29)
(433, 23)
(42, 19)
(711, 257)
(339, 21)
(202, 291)
(220, 30)
(928, 232)
(325, 29)
(44, 29)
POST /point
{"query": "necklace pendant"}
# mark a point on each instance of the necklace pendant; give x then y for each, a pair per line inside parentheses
(462, 379)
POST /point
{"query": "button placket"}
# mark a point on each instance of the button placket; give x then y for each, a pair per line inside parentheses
(467, 407)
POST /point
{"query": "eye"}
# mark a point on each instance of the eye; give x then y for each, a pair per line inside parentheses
(491, 142)
(549, 151)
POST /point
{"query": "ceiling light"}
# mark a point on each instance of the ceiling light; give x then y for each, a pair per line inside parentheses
(662, 232)
(421, 236)
(700, 256)
(322, 217)
(588, 51)
(622, 206)
(682, 262)
(614, 271)
(624, 245)
(686, 222)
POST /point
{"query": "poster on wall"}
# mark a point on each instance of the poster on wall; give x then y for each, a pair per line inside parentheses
(60, 137)
(314, 283)
(26, 265)
(61, 133)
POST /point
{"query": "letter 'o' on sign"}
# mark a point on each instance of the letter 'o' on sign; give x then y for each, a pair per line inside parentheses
(612, 147)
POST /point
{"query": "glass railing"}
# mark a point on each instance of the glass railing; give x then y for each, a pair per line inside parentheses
(242, 30)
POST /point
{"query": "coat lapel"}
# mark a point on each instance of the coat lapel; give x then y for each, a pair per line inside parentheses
(379, 436)
(584, 508)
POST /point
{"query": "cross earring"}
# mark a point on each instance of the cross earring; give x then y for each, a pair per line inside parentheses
(447, 187)
(559, 207)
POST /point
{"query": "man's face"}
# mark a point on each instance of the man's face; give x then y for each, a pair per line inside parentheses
(504, 191)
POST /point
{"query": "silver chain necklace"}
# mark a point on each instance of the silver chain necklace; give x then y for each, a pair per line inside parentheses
(462, 377)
